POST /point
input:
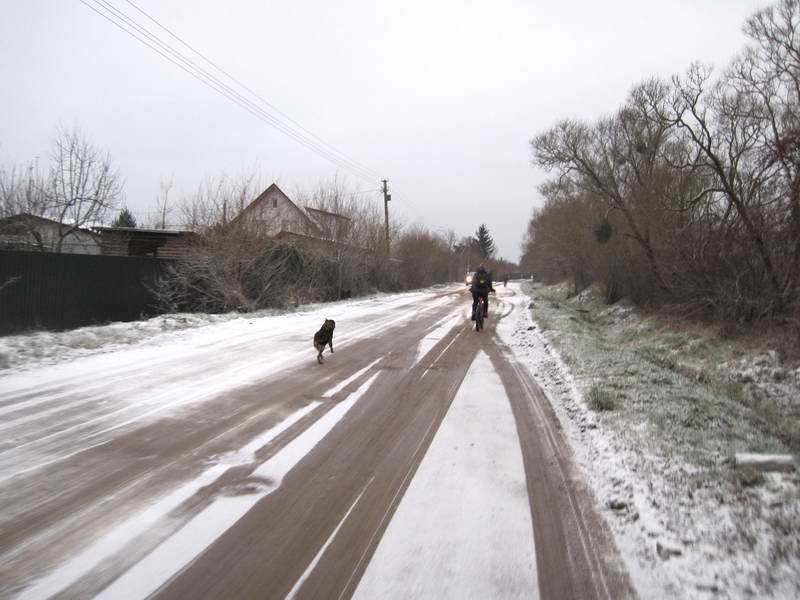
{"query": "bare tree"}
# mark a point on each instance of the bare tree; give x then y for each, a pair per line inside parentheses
(352, 233)
(82, 185)
(163, 206)
(22, 194)
(22, 191)
(616, 161)
(768, 73)
(702, 172)
(232, 264)
(217, 201)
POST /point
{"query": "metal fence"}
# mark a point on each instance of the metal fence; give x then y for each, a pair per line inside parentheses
(44, 290)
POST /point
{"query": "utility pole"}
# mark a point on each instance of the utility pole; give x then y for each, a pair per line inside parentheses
(386, 198)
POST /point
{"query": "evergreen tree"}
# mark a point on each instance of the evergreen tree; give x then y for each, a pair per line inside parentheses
(485, 242)
(124, 219)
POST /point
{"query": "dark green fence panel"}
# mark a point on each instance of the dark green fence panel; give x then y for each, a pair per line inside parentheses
(44, 290)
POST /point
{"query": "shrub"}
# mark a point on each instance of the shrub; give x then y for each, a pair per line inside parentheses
(600, 399)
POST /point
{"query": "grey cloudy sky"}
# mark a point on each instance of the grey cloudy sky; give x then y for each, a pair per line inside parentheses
(440, 96)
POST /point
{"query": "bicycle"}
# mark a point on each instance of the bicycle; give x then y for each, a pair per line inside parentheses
(479, 312)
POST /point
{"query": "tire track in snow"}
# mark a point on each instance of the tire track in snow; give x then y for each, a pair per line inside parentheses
(115, 540)
(161, 401)
(462, 529)
(181, 549)
(30, 393)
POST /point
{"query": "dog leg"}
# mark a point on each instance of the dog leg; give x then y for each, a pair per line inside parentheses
(331, 345)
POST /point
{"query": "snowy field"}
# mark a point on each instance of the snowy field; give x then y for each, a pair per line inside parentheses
(660, 460)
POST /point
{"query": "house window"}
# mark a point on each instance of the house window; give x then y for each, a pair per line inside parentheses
(274, 202)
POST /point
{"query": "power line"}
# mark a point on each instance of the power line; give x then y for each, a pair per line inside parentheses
(361, 192)
(207, 78)
(129, 26)
(251, 91)
(406, 198)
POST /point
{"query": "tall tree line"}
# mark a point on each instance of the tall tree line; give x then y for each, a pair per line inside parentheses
(689, 194)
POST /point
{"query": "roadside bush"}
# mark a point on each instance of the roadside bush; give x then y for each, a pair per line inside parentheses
(242, 272)
(748, 477)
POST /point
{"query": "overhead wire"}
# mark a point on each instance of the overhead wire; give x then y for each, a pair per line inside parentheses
(164, 49)
(396, 193)
(213, 82)
(251, 91)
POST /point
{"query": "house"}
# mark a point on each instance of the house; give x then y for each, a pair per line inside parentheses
(31, 232)
(274, 214)
(131, 241)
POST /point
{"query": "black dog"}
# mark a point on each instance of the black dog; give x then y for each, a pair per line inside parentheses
(324, 337)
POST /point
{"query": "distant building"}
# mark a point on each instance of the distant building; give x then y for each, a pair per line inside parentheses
(31, 232)
(275, 215)
(132, 241)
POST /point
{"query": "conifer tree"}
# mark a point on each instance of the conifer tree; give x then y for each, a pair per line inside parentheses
(124, 219)
(485, 242)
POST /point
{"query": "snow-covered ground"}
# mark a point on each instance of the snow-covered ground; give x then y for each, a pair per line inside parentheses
(78, 397)
(50, 347)
(44, 415)
(200, 532)
(463, 528)
(660, 462)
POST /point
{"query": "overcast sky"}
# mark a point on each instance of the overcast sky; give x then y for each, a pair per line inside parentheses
(440, 97)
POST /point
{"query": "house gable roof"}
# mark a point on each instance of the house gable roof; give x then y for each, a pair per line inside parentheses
(313, 210)
(262, 197)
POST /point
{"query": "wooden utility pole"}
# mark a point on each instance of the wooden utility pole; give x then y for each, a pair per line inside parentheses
(386, 197)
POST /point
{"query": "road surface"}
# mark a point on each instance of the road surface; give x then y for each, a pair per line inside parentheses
(420, 461)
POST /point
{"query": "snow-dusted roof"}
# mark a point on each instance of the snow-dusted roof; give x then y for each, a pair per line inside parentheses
(327, 212)
(27, 218)
(141, 230)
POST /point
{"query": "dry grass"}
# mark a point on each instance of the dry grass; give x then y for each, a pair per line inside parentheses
(600, 399)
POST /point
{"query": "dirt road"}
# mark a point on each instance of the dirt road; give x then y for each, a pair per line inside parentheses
(419, 461)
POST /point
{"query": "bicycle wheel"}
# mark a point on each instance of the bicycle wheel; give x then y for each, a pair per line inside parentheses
(479, 316)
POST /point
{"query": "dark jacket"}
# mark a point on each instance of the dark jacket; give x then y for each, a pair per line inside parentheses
(481, 282)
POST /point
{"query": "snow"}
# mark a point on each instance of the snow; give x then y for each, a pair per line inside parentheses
(51, 347)
(310, 569)
(438, 331)
(183, 369)
(683, 527)
(766, 461)
(343, 384)
(279, 465)
(124, 533)
(148, 575)
(683, 530)
(463, 528)
(247, 454)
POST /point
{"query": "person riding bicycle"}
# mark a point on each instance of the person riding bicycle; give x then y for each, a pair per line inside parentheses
(480, 288)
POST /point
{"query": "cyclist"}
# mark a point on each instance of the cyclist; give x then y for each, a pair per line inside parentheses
(480, 288)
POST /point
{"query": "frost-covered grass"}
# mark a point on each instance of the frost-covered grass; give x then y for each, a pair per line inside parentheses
(665, 379)
(662, 409)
